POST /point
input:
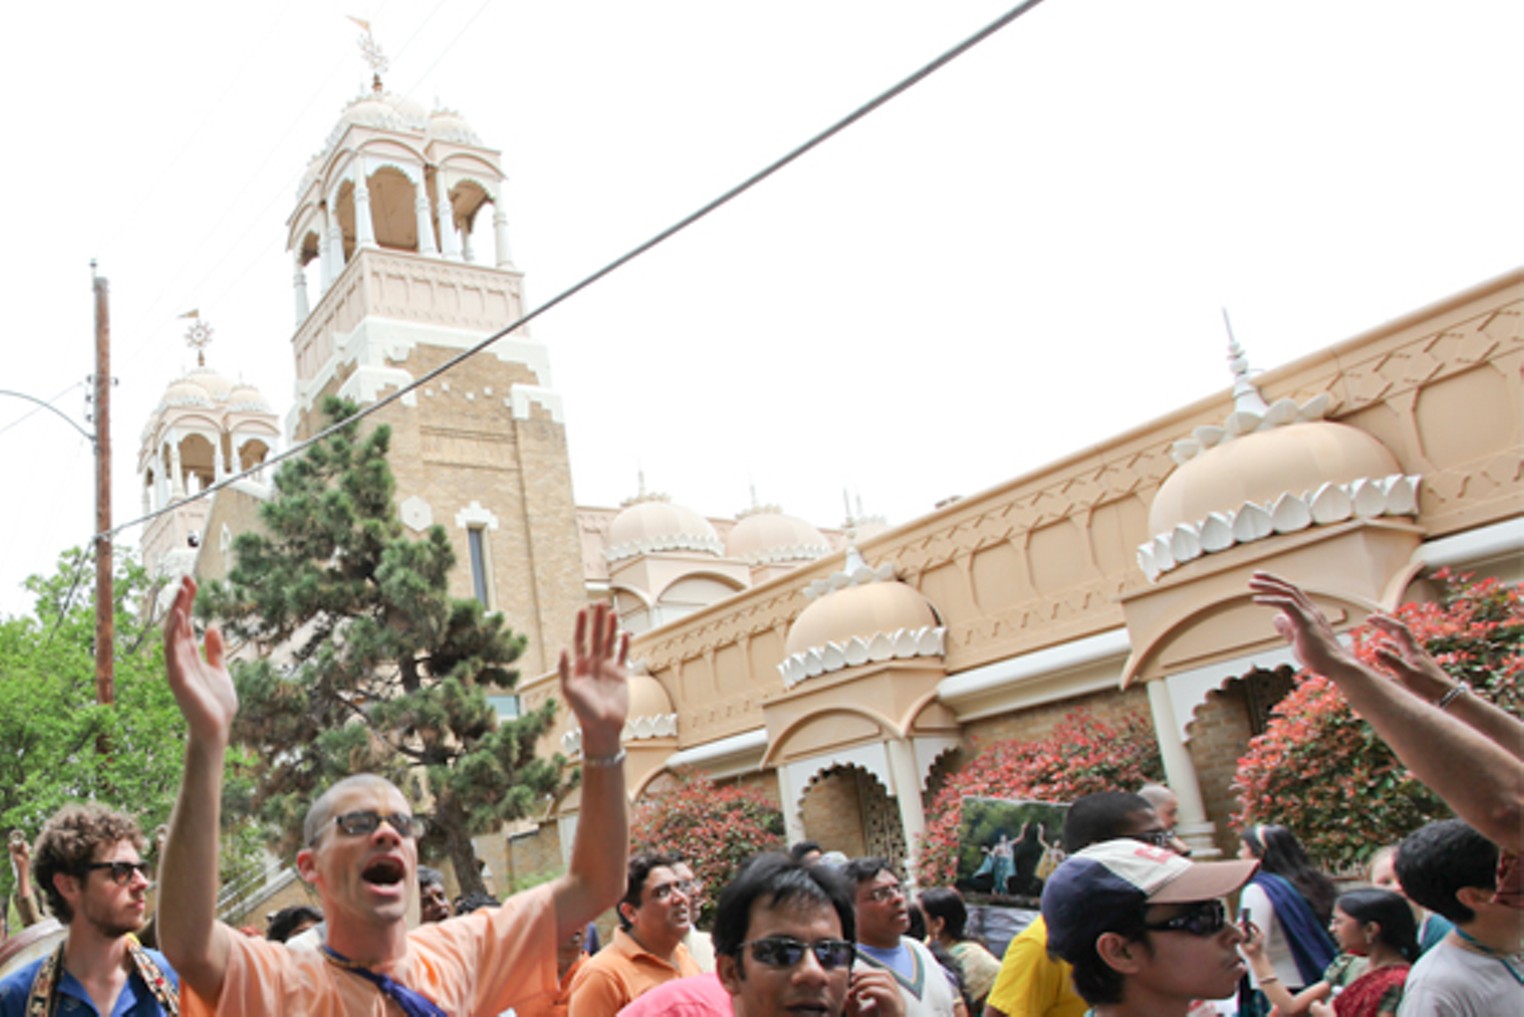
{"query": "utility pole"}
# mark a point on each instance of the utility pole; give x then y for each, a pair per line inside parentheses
(105, 612)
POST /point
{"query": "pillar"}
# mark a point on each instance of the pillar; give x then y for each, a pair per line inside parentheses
(788, 796)
(176, 478)
(299, 289)
(449, 239)
(335, 243)
(1180, 774)
(219, 465)
(425, 224)
(325, 261)
(907, 792)
(365, 229)
(500, 235)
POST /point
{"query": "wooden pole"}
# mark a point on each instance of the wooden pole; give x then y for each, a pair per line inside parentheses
(105, 614)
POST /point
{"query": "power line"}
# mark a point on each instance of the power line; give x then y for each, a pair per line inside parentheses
(767, 171)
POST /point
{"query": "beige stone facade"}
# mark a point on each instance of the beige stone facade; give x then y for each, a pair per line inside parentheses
(1353, 470)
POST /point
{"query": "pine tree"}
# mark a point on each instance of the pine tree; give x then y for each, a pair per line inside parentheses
(366, 664)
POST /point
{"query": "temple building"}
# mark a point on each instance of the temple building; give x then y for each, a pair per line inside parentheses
(843, 670)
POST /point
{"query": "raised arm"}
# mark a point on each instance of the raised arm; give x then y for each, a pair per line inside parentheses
(1411, 664)
(27, 908)
(595, 684)
(1478, 778)
(189, 933)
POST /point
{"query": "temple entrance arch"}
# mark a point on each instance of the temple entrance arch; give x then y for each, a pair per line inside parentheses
(847, 808)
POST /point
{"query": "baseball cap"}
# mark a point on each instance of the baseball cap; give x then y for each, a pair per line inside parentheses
(1086, 893)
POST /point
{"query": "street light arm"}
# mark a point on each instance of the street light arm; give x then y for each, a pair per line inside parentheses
(51, 409)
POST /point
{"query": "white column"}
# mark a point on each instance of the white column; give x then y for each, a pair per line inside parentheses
(907, 792)
(449, 239)
(1180, 774)
(325, 261)
(466, 253)
(365, 229)
(299, 289)
(219, 468)
(148, 505)
(176, 478)
(793, 817)
(500, 234)
(335, 242)
(426, 243)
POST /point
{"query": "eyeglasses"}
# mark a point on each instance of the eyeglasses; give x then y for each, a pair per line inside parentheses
(365, 822)
(686, 887)
(120, 873)
(1205, 919)
(884, 894)
(786, 951)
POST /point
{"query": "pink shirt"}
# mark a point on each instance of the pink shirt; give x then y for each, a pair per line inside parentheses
(477, 964)
(699, 996)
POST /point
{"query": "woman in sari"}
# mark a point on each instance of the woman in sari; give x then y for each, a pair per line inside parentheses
(1378, 937)
(1292, 902)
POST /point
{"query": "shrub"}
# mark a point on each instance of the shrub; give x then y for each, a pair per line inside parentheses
(1082, 755)
(717, 828)
(1323, 772)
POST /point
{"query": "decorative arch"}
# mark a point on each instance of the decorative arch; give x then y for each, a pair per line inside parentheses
(885, 726)
(392, 194)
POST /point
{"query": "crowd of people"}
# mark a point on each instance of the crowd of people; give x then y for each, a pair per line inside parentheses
(1130, 925)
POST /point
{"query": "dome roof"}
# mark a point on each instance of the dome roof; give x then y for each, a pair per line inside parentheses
(1266, 470)
(385, 110)
(652, 523)
(448, 125)
(860, 614)
(204, 387)
(766, 536)
(1258, 468)
(647, 697)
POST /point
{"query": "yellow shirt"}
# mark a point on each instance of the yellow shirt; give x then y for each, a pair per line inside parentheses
(1032, 984)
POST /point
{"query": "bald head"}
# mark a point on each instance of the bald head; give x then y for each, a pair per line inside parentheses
(1164, 801)
(321, 813)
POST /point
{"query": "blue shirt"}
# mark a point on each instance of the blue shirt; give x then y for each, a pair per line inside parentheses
(135, 999)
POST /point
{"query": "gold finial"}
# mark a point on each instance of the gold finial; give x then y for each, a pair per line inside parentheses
(198, 337)
(370, 52)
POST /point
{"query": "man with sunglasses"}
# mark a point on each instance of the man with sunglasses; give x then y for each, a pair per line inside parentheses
(1145, 929)
(883, 918)
(361, 855)
(88, 865)
(783, 936)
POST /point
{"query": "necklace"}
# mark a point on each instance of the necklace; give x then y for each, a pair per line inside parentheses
(1502, 958)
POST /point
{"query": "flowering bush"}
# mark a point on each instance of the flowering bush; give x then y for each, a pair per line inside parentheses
(1323, 772)
(1082, 755)
(716, 828)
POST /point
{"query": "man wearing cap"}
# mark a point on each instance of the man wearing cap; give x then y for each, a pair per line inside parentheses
(1145, 929)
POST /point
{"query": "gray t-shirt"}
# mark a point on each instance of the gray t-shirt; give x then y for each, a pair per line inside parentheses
(1451, 981)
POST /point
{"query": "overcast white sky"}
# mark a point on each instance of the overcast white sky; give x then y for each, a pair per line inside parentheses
(1023, 255)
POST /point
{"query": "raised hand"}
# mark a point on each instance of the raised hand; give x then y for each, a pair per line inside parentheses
(1302, 625)
(1400, 654)
(21, 851)
(595, 680)
(202, 688)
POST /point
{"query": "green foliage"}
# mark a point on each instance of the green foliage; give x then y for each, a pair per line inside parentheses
(716, 828)
(51, 727)
(1082, 755)
(366, 664)
(1325, 774)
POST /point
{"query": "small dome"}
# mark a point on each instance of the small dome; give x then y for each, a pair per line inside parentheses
(246, 397)
(448, 125)
(648, 698)
(863, 611)
(767, 536)
(1259, 468)
(184, 392)
(385, 110)
(654, 524)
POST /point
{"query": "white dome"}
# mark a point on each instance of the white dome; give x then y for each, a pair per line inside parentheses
(653, 524)
(767, 536)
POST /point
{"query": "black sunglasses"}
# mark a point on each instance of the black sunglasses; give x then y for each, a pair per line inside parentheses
(1205, 919)
(120, 873)
(786, 951)
(365, 822)
(1158, 838)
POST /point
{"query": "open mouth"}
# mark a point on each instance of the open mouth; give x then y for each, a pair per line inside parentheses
(384, 872)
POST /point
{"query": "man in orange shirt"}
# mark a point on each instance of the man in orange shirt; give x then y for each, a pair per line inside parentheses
(361, 854)
(647, 949)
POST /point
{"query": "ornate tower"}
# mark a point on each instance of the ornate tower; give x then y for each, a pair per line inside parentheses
(204, 430)
(382, 230)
